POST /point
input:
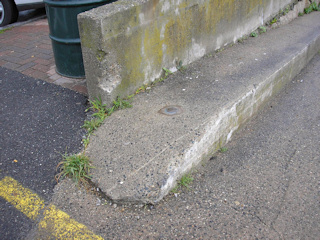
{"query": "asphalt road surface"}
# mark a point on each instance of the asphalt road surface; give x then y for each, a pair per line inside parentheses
(39, 122)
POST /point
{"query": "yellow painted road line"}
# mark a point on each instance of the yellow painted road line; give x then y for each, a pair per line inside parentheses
(54, 222)
(21, 198)
(63, 227)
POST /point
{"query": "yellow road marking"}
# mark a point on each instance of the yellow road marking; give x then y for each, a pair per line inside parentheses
(21, 198)
(54, 222)
(63, 227)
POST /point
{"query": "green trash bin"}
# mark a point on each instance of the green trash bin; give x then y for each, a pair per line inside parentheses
(64, 33)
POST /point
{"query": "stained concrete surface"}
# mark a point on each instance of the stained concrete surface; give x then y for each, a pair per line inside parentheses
(139, 154)
(266, 186)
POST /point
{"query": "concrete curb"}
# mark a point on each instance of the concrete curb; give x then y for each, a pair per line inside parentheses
(136, 165)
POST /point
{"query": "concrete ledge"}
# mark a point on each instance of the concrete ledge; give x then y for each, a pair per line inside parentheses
(139, 154)
(127, 43)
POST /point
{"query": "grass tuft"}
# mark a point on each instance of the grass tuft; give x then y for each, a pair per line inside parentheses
(223, 149)
(75, 166)
(313, 7)
(185, 181)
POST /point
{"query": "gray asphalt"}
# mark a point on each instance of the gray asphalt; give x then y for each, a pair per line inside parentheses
(39, 122)
(266, 186)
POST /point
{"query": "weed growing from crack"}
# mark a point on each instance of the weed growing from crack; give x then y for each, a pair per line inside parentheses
(118, 104)
(180, 67)
(75, 166)
(101, 112)
(99, 115)
(92, 125)
(146, 87)
(242, 39)
(262, 29)
(313, 7)
(223, 149)
(254, 34)
(86, 142)
(273, 21)
(185, 182)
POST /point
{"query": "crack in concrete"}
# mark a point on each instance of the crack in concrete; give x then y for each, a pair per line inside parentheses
(285, 193)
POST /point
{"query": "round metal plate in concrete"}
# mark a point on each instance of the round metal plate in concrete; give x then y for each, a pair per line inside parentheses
(171, 110)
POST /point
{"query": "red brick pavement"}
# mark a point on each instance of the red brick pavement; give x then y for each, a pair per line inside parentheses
(27, 49)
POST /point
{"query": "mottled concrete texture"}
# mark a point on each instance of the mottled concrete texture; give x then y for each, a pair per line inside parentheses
(127, 43)
(139, 154)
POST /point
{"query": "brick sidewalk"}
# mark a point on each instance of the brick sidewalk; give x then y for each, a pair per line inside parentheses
(27, 49)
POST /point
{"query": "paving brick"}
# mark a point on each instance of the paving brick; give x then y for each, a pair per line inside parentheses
(11, 65)
(4, 53)
(26, 60)
(55, 77)
(17, 49)
(52, 70)
(44, 56)
(11, 59)
(25, 66)
(64, 80)
(45, 51)
(80, 89)
(43, 61)
(41, 68)
(28, 49)
(2, 62)
(37, 74)
(27, 71)
(46, 46)
(17, 54)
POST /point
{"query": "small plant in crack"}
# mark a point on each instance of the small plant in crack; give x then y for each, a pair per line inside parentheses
(262, 29)
(167, 72)
(185, 181)
(118, 104)
(223, 149)
(75, 166)
(180, 67)
(92, 125)
(254, 34)
(313, 7)
(146, 87)
(99, 114)
(242, 39)
(273, 21)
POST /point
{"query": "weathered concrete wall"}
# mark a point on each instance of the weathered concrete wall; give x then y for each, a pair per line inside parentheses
(127, 43)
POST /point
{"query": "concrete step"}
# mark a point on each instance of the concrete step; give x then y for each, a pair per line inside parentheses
(140, 153)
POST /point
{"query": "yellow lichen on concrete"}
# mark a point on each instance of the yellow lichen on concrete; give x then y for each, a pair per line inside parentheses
(146, 36)
(152, 46)
(129, 55)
